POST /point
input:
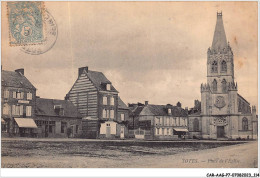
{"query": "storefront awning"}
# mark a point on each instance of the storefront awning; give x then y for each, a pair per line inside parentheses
(25, 122)
(181, 130)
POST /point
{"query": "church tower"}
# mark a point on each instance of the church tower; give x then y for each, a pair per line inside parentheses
(220, 92)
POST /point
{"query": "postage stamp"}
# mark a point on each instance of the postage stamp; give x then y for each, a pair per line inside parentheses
(50, 37)
(26, 25)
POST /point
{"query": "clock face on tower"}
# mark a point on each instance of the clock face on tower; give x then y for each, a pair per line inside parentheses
(220, 102)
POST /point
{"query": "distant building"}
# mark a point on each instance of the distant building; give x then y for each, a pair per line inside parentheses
(224, 114)
(18, 103)
(158, 122)
(57, 118)
(97, 101)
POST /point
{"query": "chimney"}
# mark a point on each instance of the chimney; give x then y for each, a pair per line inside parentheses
(146, 103)
(20, 71)
(178, 104)
(81, 69)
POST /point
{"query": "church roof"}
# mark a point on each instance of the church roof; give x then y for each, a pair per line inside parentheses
(219, 39)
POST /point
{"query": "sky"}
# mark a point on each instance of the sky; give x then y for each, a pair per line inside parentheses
(150, 51)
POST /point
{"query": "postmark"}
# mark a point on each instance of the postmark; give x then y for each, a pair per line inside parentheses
(51, 34)
(25, 21)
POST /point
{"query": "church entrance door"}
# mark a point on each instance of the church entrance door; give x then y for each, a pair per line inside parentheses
(220, 131)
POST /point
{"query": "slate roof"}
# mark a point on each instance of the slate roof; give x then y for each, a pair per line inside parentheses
(161, 110)
(121, 104)
(99, 80)
(45, 107)
(219, 39)
(15, 79)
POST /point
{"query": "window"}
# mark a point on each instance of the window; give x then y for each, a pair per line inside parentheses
(214, 67)
(29, 96)
(6, 109)
(18, 95)
(104, 113)
(28, 110)
(21, 110)
(157, 131)
(77, 128)
(195, 125)
(17, 109)
(168, 121)
(63, 126)
(14, 94)
(112, 101)
(162, 131)
(214, 84)
(112, 114)
(38, 123)
(122, 117)
(13, 109)
(104, 100)
(224, 86)
(50, 128)
(244, 124)
(108, 87)
(161, 121)
(168, 133)
(223, 66)
(108, 125)
(6, 94)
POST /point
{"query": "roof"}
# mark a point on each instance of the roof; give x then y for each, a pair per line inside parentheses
(219, 39)
(159, 110)
(45, 107)
(243, 98)
(121, 104)
(99, 80)
(15, 79)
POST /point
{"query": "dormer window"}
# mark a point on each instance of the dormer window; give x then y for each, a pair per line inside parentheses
(59, 110)
(169, 111)
(108, 86)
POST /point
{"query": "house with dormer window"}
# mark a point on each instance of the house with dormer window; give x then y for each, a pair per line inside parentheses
(17, 104)
(97, 101)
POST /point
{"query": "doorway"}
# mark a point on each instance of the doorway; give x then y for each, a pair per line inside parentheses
(220, 132)
(108, 131)
(122, 133)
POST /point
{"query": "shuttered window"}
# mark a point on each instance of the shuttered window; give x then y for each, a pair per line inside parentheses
(13, 109)
(112, 101)
(104, 113)
(104, 100)
(6, 94)
(112, 114)
(29, 96)
(28, 111)
(21, 110)
(6, 109)
(122, 117)
(14, 94)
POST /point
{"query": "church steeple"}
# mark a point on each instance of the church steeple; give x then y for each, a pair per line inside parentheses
(219, 40)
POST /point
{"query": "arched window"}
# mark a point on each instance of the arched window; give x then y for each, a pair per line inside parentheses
(223, 66)
(215, 85)
(214, 67)
(224, 85)
(196, 125)
(244, 124)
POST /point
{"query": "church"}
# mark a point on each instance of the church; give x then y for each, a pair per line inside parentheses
(224, 113)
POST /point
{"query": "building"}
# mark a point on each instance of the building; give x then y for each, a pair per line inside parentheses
(119, 127)
(57, 118)
(224, 113)
(18, 101)
(97, 101)
(158, 122)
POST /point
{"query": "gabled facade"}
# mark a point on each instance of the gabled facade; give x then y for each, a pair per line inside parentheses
(18, 103)
(224, 113)
(97, 101)
(158, 122)
(57, 118)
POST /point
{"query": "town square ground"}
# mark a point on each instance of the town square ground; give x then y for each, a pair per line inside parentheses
(82, 153)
